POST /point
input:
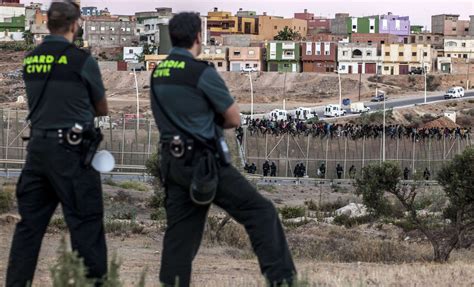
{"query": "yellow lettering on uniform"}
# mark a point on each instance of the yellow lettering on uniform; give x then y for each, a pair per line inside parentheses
(181, 65)
(49, 59)
(63, 60)
(34, 60)
(42, 59)
(29, 69)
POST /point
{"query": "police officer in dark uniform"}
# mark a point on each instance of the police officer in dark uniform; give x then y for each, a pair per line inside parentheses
(190, 102)
(273, 170)
(65, 92)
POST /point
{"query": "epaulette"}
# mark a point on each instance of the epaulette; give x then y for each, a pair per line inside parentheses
(207, 63)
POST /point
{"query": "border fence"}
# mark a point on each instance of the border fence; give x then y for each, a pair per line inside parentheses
(287, 150)
(132, 141)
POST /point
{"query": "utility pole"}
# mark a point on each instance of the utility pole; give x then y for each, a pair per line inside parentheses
(468, 70)
(424, 70)
(360, 82)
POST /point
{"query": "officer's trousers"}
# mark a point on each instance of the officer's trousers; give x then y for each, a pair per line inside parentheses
(237, 197)
(53, 175)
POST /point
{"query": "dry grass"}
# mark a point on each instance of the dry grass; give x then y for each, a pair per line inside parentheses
(365, 274)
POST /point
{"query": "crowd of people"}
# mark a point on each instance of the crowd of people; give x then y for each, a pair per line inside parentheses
(352, 131)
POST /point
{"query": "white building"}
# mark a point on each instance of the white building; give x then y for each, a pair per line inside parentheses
(151, 29)
(355, 58)
(131, 54)
(459, 47)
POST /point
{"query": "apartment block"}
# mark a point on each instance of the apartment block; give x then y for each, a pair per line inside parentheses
(367, 25)
(374, 39)
(110, 32)
(358, 58)
(319, 57)
(400, 59)
(436, 41)
(471, 26)
(315, 24)
(283, 56)
(339, 24)
(245, 57)
(12, 21)
(218, 55)
(269, 26)
(395, 25)
(222, 22)
(449, 25)
(459, 47)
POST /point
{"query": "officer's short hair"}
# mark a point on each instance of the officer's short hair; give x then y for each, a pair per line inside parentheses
(184, 29)
(61, 15)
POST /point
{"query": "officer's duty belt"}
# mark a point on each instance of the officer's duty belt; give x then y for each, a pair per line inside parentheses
(52, 134)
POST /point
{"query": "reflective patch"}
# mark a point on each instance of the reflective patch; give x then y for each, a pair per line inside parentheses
(163, 69)
(38, 64)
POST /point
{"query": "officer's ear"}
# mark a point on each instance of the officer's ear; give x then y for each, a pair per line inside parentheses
(199, 39)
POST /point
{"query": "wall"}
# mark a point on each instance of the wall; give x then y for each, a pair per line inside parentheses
(339, 24)
(436, 41)
(388, 24)
(108, 34)
(245, 56)
(363, 25)
(269, 26)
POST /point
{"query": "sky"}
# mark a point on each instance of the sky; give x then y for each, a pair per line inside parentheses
(420, 11)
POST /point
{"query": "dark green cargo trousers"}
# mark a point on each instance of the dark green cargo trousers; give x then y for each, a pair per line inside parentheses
(241, 200)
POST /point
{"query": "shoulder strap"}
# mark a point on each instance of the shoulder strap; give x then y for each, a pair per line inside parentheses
(48, 77)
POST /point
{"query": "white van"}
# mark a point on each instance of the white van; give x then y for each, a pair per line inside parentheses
(455, 92)
(278, 115)
(334, 111)
(357, 108)
(303, 114)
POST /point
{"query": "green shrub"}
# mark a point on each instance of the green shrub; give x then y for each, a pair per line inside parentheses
(350, 222)
(69, 269)
(288, 212)
(123, 227)
(6, 199)
(158, 214)
(134, 185)
(109, 181)
(123, 211)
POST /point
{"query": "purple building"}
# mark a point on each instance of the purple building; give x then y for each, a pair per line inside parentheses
(395, 25)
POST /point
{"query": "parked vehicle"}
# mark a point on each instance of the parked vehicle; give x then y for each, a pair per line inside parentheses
(104, 123)
(334, 111)
(380, 97)
(357, 108)
(416, 71)
(248, 69)
(278, 115)
(454, 93)
(304, 114)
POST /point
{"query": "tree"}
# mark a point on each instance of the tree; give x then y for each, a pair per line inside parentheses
(28, 37)
(287, 34)
(147, 50)
(455, 228)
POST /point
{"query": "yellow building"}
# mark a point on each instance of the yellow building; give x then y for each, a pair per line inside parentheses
(218, 55)
(400, 59)
(221, 23)
(269, 26)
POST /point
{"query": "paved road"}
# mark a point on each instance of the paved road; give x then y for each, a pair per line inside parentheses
(390, 104)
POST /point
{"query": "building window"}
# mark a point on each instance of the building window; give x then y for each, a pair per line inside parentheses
(454, 29)
(286, 65)
(428, 38)
(102, 28)
(382, 42)
(102, 38)
(420, 38)
(237, 53)
(369, 42)
(372, 27)
(400, 54)
(275, 27)
(387, 53)
(112, 39)
(128, 29)
(219, 64)
(386, 68)
(289, 53)
(449, 55)
(343, 67)
(369, 53)
(425, 54)
(92, 28)
(218, 51)
(354, 27)
(124, 39)
(112, 29)
(251, 52)
(344, 53)
(207, 51)
(413, 54)
(255, 65)
(130, 51)
(463, 45)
